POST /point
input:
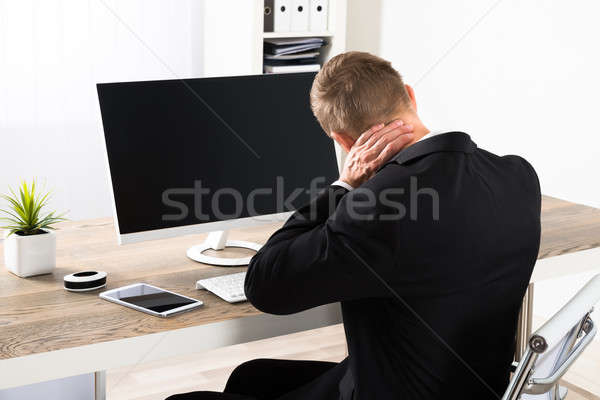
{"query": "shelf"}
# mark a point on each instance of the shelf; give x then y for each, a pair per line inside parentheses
(277, 35)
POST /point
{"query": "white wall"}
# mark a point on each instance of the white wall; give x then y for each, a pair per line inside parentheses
(52, 53)
(522, 80)
(519, 76)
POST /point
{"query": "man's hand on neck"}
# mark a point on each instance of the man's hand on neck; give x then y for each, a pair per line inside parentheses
(372, 149)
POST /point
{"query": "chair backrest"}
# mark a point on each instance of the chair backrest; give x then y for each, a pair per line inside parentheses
(554, 347)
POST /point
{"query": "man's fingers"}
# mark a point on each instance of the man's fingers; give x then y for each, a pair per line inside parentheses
(373, 148)
(383, 131)
(396, 127)
(376, 131)
(396, 134)
(389, 148)
(366, 135)
(392, 148)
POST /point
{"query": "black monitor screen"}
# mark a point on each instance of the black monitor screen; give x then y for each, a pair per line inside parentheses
(184, 152)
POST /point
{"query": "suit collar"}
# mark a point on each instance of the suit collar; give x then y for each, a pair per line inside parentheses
(450, 141)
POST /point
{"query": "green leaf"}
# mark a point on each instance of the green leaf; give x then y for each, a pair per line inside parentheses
(25, 209)
(11, 221)
(12, 229)
(12, 215)
(16, 206)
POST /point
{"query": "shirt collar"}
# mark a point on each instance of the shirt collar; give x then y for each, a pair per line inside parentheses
(432, 134)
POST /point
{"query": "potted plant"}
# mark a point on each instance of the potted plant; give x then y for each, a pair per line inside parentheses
(29, 244)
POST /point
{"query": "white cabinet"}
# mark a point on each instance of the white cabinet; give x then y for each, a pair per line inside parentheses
(230, 38)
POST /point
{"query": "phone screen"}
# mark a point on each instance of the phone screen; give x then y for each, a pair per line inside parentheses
(151, 298)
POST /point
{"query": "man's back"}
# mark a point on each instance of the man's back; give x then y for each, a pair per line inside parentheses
(430, 259)
(459, 263)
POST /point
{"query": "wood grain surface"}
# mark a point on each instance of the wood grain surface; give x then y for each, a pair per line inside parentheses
(38, 315)
(568, 227)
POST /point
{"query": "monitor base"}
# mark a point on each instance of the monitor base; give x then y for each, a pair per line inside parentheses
(218, 241)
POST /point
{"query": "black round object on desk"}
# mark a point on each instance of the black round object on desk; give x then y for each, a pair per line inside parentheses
(85, 281)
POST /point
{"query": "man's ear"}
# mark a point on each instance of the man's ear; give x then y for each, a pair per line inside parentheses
(344, 140)
(411, 95)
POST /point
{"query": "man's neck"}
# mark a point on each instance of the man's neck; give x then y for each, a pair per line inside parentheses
(420, 134)
(419, 129)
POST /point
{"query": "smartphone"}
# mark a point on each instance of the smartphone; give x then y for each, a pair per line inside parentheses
(151, 299)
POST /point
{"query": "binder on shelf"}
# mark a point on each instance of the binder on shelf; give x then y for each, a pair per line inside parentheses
(300, 15)
(319, 15)
(268, 17)
(285, 55)
(291, 46)
(293, 56)
(278, 15)
(291, 49)
(287, 69)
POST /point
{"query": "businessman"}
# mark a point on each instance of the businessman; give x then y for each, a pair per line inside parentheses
(427, 240)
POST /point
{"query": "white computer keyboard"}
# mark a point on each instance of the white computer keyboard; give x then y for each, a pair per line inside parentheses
(228, 287)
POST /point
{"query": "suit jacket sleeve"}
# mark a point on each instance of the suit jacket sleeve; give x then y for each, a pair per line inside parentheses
(307, 262)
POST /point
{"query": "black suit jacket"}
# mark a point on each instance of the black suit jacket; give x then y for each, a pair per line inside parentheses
(430, 260)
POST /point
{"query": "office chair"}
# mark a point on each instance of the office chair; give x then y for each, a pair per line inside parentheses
(554, 348)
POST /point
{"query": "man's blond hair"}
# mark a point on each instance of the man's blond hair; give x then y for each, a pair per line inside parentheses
(356, 90)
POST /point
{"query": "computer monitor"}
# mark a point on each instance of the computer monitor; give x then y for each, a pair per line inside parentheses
(207, 155)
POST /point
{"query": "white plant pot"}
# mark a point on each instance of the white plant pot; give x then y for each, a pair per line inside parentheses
(30, 255)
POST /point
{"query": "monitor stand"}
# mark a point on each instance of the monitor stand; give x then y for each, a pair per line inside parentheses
(218, 241)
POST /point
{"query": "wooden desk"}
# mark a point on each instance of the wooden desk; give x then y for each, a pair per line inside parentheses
(48, 333)
(568, 227)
